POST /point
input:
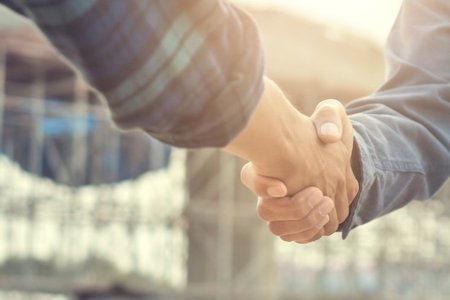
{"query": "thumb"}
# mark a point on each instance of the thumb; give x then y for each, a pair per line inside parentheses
(262, 186)
(328, 119)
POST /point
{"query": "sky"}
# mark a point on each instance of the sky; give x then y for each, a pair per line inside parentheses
(372, 18)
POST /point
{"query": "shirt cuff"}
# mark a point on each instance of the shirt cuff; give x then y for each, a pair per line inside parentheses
(364, 170)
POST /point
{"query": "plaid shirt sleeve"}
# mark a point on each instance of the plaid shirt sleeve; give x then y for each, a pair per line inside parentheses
(187, 72)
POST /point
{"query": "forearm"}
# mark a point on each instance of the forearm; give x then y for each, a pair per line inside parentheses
(399, 162)
(161, 64)
(282, 143)
(403, 130)
(270, 131)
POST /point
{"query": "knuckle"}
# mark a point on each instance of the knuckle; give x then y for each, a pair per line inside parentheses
(262, 211)
(335, 104)
(327, 110)
(313, 219)
(327, 113)
(258, 190)
(331, 228)
(331, 189)
(315, 192)
(310, 234)
(244, 176)
(276, 228)
(299, 199)
(299, 212)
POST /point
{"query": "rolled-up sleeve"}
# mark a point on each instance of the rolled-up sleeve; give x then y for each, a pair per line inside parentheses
(402, 132)
(187, 72)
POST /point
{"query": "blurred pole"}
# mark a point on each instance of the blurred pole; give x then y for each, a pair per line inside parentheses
(38, 113)
(230, 251)
(2, 87)
(227, 171)
(80, 135)
(5, 203)
(77, 164)
(35, 160)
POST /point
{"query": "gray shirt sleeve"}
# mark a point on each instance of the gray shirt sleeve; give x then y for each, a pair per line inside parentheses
(402, 131)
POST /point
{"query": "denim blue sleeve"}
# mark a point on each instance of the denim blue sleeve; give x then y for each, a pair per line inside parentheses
(402, 131)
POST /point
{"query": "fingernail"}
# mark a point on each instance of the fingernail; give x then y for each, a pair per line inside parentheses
(326, 207)
(276, 191)
(313, 201)
(329, 128)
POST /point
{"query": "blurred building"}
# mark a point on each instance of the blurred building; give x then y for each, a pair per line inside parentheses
(90, 213)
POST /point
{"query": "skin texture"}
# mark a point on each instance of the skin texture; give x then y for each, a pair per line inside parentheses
(300, 217)
(282, 143)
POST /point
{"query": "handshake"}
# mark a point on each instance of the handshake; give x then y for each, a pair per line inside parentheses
(300, 166)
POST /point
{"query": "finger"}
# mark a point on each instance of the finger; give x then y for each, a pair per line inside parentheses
(332, 226)
(292, 208)
(342, 202)
(318, 236)
(314, 220)
(328, 120)
(352, 185)
(262, 186)
(304, 237)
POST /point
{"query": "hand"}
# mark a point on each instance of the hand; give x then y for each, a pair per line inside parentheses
(282, 143)
(332, 125)
(299, 218)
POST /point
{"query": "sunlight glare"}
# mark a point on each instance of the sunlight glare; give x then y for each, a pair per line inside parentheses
(370, 18)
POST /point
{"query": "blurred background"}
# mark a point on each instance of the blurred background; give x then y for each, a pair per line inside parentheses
(87, 212)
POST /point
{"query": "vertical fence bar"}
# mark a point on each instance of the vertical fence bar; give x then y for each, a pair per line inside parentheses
(226, 228)
(77, 163)
(2, 88)
(37, 104)
(80, 134)
(35, 159)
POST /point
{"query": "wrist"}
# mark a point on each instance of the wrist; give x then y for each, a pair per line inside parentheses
(287, 132)
(288, 152)
(271, 130)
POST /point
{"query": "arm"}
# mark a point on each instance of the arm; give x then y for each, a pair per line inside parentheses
(282, 143)
(300, 217)
(403, 130)
(190, 74)
(187, 72)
